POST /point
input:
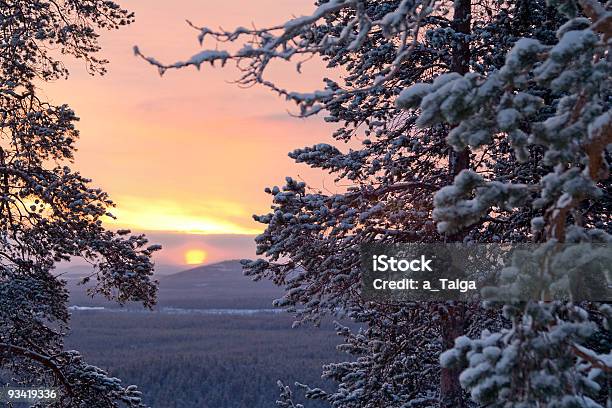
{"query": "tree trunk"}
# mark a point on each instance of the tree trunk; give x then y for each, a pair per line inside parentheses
(453, 326)
(460, 63)
(453, 319)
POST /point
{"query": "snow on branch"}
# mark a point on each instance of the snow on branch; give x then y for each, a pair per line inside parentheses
(303, 36)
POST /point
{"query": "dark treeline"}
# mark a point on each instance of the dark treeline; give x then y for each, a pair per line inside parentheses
(204, 361)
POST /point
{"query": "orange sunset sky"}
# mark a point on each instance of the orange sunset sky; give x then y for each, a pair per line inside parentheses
(186, 157)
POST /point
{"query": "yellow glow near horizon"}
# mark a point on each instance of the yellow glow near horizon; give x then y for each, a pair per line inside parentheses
(191, 152)
(195, 256)
(211, 218)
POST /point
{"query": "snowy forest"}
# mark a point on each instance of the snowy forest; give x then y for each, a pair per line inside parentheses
(465, 121)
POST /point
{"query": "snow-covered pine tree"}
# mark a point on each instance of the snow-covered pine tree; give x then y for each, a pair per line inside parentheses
(312, 239)
(50, 213)
(548, 356)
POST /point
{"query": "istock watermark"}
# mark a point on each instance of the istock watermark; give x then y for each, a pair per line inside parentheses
(383, 263)
(502, 272)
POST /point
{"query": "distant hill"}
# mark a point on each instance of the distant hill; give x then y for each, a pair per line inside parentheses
(220, 273)
(217, 286)
(221, 285)
(74, 272)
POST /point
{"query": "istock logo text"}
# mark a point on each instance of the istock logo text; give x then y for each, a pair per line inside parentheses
(383, 263)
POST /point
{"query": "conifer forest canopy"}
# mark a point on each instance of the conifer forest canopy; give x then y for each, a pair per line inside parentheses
(468, 122)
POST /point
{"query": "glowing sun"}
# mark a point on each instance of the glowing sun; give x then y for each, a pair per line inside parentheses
(195, 256)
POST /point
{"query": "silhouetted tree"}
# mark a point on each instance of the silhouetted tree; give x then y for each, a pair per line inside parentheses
(50, 213)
